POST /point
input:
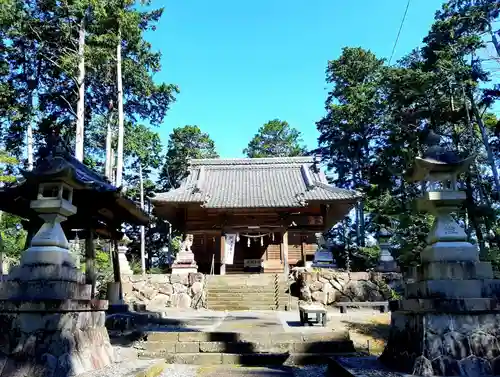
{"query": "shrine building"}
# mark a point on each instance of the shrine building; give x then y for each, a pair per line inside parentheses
(270, 208)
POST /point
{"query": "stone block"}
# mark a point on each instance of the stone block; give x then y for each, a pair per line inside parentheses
(450, 252)
(159, 278)
(165, 337)
(491, 288)
(455, 270)
(446, 305)
(46, 272)
(445, 289)
(213, 347)
(195, 358)
(179, 288)
(196, 277)
(44, 290)
(443, 344)
(187, 347)
(179, 278)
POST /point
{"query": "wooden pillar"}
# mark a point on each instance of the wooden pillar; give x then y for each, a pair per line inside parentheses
(90, 276)
(116, 268)
(284, 250)
(222, 254)
(303, 248)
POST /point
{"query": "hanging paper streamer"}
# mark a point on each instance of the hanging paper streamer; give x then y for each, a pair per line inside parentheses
(262, 241)
(272, 236)
(248, 242)
(237, 237)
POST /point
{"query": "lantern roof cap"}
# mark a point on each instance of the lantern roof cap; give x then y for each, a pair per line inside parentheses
(437, 159)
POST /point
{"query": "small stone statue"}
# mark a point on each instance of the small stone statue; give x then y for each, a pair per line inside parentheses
(185, 261)
(186, 244)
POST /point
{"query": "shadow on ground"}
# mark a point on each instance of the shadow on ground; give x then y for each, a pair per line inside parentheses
(126, 328)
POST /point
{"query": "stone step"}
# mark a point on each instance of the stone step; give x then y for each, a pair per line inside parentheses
(231, 337)
(242, 295)
(237, 300)
(268, 346)
(243, 308)
(242, 289)
(254, 359)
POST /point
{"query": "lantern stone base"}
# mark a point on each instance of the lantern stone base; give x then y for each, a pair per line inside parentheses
(437, 337)
(50, 325)
(449, 322)
(53, 338)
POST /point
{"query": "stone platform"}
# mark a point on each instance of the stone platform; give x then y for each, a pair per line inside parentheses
(50, 325)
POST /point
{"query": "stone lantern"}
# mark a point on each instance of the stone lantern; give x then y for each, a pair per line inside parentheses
(50, 245)
(323, 257)
(386, 262)
(448, 321)
(45, 301)
(122, 256)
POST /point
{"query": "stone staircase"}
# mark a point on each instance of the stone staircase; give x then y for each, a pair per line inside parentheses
(258, 348)
(246, 292)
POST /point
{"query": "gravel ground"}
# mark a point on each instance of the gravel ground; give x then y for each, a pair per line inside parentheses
(124, 369)
(179, 370)
(132, 368)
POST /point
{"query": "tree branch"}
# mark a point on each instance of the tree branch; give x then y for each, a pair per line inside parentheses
(69, 105)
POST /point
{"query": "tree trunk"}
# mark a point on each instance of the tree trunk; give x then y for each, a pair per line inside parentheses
(486, 142)
(121, 130)
(109, 161)
(80, 107)
(471, 210)
(29, 145)
(143, 236)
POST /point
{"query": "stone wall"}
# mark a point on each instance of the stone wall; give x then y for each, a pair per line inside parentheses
(161, 291)
(330, 286)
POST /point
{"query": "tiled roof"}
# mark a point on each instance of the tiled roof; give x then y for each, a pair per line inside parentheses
(254, 183)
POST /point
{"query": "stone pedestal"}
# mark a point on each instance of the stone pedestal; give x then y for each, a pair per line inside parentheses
(184, 261)
(448, 324)
(386, 262)
(50, 325)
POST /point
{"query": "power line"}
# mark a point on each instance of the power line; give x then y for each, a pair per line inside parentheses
(399, 31)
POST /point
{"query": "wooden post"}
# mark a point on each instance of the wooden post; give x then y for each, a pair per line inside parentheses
(284, 250)
(116, 267)
(303, 249)
(222, 254)
(90, 277)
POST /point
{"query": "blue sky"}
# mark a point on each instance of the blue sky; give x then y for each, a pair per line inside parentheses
(241, 63)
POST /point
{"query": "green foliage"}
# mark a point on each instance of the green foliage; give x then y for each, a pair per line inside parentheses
(377, 117)
(276, 139)
(39, 70)
(12, 235)
(7, 165)
(185, 143)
